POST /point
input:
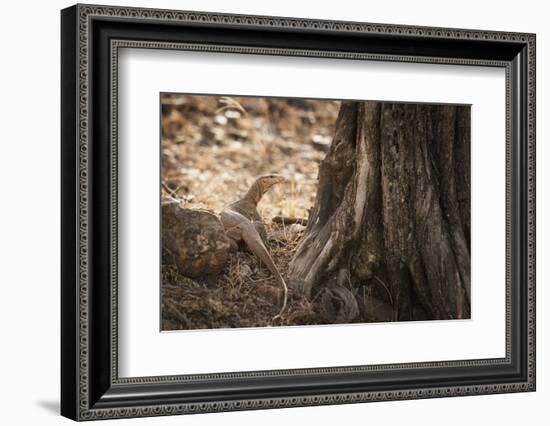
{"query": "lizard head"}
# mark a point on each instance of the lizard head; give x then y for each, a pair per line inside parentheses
(262, 184)
(265, 182)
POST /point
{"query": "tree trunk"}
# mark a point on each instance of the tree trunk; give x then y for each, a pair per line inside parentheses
(388, 238)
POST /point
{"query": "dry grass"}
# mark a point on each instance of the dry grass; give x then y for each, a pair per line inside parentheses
(244, 295)
(212, 150)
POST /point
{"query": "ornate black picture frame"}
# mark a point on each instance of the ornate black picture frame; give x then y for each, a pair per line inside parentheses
(91, 387)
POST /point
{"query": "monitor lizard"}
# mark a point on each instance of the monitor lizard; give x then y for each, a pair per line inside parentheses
(242, 222)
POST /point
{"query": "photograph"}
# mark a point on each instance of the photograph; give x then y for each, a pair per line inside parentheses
(298, 212)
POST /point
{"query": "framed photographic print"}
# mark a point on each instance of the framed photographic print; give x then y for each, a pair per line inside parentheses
(263, 212)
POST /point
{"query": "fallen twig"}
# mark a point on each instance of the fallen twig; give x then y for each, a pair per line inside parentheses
(170, 191)
(287, 220)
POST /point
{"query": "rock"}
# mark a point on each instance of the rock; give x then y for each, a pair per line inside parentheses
(244, 269)
(273, 294)
(296, 229)
(194, 240)
(322, 143)
(338, 305)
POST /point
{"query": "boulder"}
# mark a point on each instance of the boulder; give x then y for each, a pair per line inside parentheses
(193, 240)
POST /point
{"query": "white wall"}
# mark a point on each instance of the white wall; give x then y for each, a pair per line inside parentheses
(29, 214)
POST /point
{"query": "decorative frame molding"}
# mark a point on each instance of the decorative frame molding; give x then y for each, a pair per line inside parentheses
(91, 388)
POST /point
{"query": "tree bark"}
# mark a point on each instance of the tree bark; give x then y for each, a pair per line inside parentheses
(388, 236)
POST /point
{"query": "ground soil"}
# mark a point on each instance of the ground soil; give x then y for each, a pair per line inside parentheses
(213, 148)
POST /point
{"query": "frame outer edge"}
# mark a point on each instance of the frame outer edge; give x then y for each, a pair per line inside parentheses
(69, 191)
(531, 200)
(83, 83)
(83, 13)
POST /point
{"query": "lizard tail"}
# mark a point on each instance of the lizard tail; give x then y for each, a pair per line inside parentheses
(254, 242)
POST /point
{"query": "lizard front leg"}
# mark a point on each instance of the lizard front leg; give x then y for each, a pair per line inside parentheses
(240, 228)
